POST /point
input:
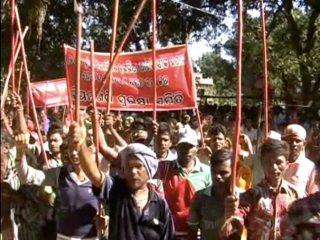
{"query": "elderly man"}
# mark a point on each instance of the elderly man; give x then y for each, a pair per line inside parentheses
(300, 171)
(137, 212)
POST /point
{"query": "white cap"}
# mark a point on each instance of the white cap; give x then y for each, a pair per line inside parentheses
(188, 135)
(274, 135)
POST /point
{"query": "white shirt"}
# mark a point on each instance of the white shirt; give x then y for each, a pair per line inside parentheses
(301, 174)
(253, 136)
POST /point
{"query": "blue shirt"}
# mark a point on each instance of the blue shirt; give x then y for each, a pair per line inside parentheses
(126, 222)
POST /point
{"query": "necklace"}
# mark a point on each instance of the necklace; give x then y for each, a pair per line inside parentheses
(140, 202)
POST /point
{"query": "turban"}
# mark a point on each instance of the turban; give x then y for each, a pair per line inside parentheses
(144, 154)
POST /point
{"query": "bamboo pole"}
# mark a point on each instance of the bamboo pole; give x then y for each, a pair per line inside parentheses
(154, 57)
(13, 75)
(239, 95)
(95, 119)
(112, 47)
(265, 71)
(123, 41)
(6, 82)
(27, 73)
(79, 10)
(20, 77)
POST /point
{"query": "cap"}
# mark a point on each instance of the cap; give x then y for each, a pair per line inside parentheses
(188, 135)
(294, 130)
(274, 135)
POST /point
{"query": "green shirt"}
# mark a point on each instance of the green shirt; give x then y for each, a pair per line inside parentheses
(207, 212)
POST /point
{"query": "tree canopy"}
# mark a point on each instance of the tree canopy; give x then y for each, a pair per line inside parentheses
(293, 38)
(292, 25)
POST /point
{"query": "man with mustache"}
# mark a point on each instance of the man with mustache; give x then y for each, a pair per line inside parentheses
(300, 171)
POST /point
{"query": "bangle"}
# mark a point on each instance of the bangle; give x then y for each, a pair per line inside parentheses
(19, 109)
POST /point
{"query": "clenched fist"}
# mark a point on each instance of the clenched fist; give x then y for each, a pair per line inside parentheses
(22, 141)
(77, 134)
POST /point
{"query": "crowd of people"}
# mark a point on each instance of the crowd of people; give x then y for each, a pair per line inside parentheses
(166, 180)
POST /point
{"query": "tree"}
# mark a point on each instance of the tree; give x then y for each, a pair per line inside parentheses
(222, 72)
(53, 23)
(293, 51)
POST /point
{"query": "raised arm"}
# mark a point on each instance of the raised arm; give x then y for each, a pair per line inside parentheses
(109, 125)
(17, 103)
(107, 152)
(77, 137)
(27, 174)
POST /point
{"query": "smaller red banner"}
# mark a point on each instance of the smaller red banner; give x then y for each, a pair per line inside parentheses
(50, 93)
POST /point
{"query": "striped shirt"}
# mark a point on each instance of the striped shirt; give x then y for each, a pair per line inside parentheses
(25, 225)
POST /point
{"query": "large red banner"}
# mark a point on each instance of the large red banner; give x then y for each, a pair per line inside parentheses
(132, 79)
(50, 93)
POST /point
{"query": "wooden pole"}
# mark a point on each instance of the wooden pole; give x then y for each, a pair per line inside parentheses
(113, 43)
(265, 72)
(79, 10)
(27, 73)
(123, 41)
(20, 77)
(13, 75)
(95, 118)
(239, 95)
(6, 82)
(154, 57)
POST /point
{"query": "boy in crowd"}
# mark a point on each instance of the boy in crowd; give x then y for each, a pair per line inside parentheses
(207, 209)
(263, 205)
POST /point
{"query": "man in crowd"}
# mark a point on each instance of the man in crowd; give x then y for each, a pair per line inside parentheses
(137, 212)
(252, 133)
(182, 178)
(162, 135)
(19, 209)
(300, 171)
(207, 209)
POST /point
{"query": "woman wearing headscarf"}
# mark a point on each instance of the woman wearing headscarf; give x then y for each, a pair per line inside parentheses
(137, 212)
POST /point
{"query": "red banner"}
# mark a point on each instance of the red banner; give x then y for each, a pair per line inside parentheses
(132, 79)
(50, 93)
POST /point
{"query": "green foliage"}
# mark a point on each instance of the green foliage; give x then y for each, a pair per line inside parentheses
(293, 38)
(53, 23)
(293, 53)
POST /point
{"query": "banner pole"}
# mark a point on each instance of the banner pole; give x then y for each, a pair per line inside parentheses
(6, 82)
(112, 47)
(20, 77)
(79, 10)
(239, 96)
(13, 75)
(265, 71)
(24, 58)
(123, 41)
(95, 121)
(154, 57)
